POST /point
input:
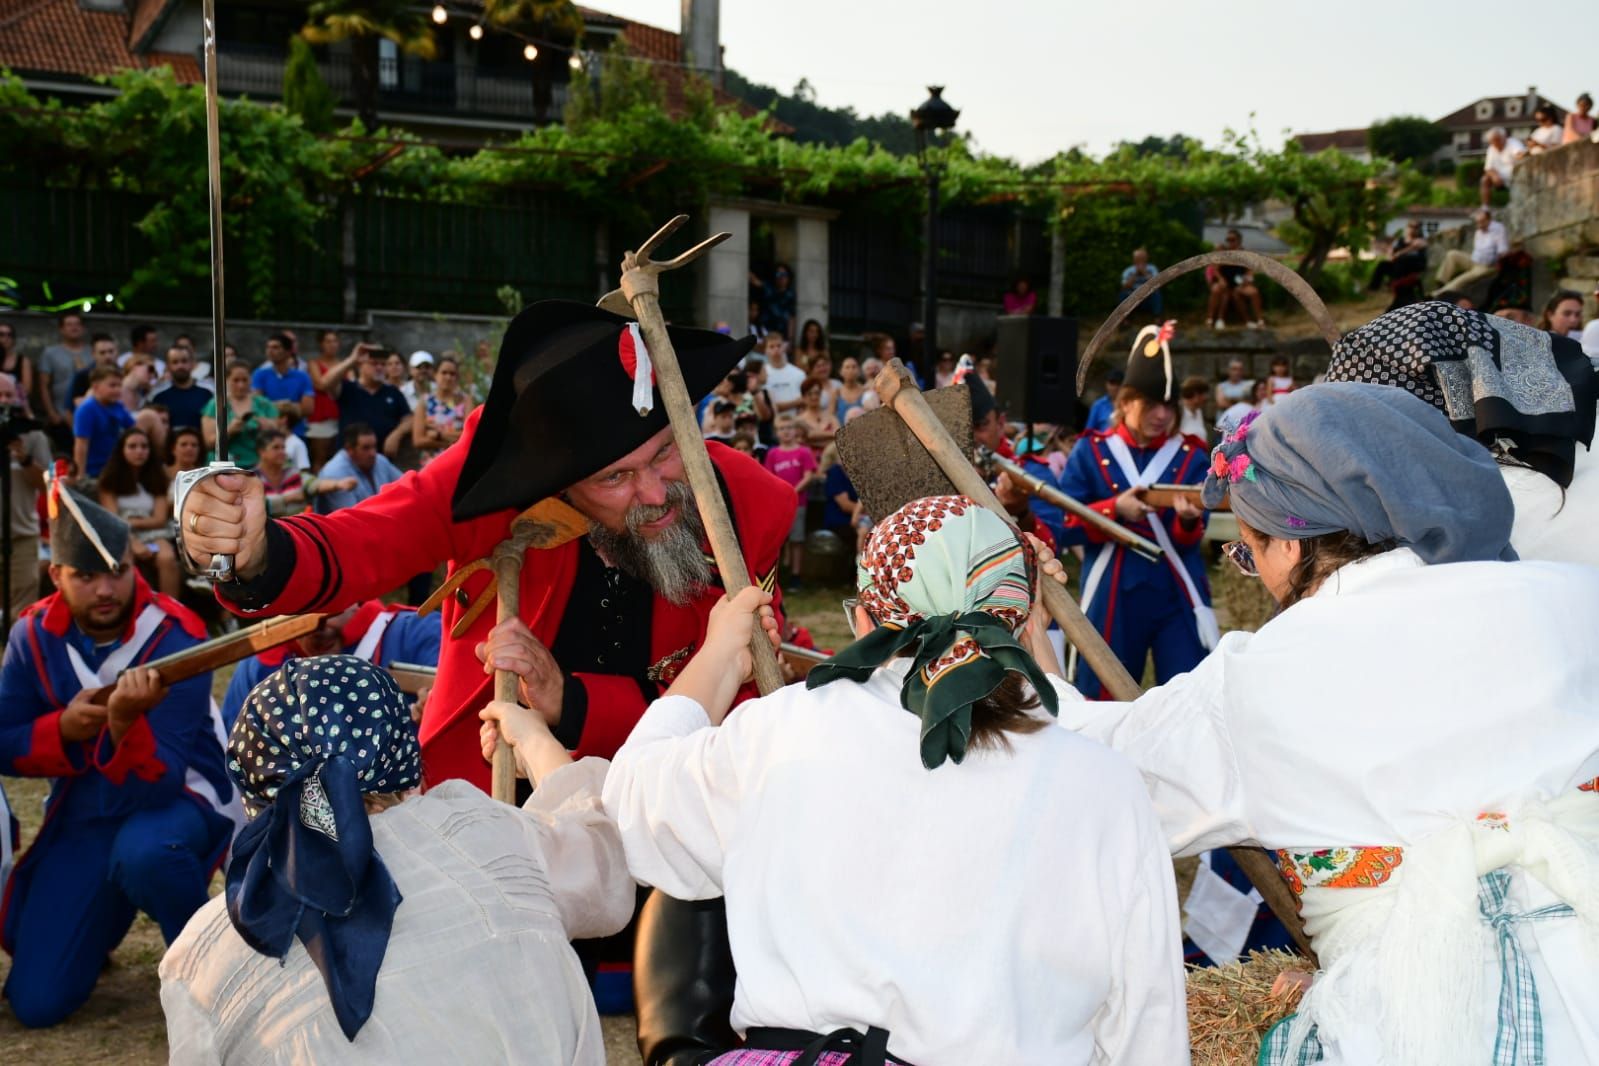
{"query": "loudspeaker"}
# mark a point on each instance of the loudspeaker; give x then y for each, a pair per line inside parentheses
(1036, 369)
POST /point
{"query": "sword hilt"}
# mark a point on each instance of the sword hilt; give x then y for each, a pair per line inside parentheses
(220, 569)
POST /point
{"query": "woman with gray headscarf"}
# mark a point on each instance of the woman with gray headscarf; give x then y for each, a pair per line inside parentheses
(1416, 735)
(363, 923)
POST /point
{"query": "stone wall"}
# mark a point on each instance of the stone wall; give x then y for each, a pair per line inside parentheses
(1554, 201)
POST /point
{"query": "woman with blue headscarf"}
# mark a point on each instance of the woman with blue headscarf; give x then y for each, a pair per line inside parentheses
(364, 923)
(1415, 733)
(962, 883)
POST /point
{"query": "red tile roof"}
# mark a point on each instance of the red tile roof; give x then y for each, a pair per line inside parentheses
(60, 37)
(1344, 140)
(147, 18)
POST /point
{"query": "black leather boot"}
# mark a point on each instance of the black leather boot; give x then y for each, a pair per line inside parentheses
(683, 981)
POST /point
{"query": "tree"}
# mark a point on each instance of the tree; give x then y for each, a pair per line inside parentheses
(304, 92)
(557, 26)
(1405, 138)
(363, 23)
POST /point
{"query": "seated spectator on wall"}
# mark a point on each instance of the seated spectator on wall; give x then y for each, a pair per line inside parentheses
(1234, 290)
(360, 460)
(133, 486)
(1022, 299)
(1579, 123)
(1134, 276)
(1548, 133)
(183, 396)
(248, 414)
(1470, 274)
(1562, 314)
(99, 421)
(1504, 152)
(1407, 256)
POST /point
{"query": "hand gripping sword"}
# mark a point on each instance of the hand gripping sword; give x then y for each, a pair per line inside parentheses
(221, 568)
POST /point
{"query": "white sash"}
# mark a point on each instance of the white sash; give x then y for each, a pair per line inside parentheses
(5, 839)
(149, 621)
(368, 645)
(1204, 617)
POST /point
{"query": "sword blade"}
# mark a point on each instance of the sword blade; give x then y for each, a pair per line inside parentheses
(213, 165)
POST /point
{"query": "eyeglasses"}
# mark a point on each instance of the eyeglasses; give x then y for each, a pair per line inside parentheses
(1242, 556)
(849, 604)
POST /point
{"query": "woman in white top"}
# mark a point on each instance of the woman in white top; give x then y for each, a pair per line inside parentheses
(408, 928)
(959, 884)
(133, 486)
(1416, 733)
(1548, 134)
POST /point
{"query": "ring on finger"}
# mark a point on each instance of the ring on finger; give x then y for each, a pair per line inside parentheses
(194, 517)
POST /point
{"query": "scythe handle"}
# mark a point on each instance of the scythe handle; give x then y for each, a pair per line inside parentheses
(508, 578)
(697, 463)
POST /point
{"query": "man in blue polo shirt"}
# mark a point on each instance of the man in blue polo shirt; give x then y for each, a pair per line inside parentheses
(284, 384)
(98, 423)
(185, 398)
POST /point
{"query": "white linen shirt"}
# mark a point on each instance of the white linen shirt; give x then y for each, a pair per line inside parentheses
(1016, 908)
(1397, 702)
(478, 968)
(1488, 245)
(1502, 161)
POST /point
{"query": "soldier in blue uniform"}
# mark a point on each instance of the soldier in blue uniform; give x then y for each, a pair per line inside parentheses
(377, 632)
(1143, 607)
(140, 810)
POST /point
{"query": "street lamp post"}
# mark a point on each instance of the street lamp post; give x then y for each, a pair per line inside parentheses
(931, 121)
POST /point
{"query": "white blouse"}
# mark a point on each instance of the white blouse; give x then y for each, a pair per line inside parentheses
(1392, 708)
(478, 968)
(1016, 908)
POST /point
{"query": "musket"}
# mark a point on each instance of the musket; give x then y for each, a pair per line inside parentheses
(413, 677)
(221, 566)
(1162, 496)
(1045, 491)
(240, 644)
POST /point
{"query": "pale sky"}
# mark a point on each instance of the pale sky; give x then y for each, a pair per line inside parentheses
(1032, 77)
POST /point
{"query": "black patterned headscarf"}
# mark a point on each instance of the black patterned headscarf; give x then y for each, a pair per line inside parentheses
(1524, 393)
(311, 740)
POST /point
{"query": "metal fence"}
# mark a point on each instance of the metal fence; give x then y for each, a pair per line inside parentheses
(65, 244)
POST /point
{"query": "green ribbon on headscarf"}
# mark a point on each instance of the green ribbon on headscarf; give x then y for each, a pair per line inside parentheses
(945, 706)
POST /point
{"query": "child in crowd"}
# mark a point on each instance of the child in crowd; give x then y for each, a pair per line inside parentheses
(794, 462)
(1192, 411)
(1281, 380)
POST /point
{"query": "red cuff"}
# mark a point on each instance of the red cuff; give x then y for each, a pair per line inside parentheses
(136, 754)
(615, 706)
(1187, 538)
(1095, 535)
(47, 754)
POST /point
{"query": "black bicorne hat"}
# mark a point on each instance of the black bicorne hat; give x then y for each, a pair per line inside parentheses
(97, 549)
(982, 400)
(1149, 366)
(561, 405)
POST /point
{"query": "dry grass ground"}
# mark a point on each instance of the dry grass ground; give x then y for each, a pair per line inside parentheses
(122, 1022)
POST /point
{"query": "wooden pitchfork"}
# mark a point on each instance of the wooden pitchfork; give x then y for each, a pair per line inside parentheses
(639, 297)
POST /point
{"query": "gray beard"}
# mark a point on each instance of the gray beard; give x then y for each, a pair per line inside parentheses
(671, 562)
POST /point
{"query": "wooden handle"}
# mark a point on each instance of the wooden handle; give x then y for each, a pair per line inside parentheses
(508, 578)
(895, 389)
(1044, 490)
(701, 474)
(240, 644)
(1163, 496)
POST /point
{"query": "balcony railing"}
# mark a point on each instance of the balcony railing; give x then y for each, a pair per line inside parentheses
(404, 84)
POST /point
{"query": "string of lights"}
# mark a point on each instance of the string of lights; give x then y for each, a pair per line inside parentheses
(531, 45)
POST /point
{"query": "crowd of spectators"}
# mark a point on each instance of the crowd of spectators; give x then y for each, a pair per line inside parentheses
(321, 433)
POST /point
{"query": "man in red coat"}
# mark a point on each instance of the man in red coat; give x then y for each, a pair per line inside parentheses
(607, 619)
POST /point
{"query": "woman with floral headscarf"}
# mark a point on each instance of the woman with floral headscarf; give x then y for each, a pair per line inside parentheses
(963, 883)
(1416, 734)
(362, 923)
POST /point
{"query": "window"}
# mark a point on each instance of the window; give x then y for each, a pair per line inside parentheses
(1485, 110)
(1462, 139)
(388, 64)
(1513, 107)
